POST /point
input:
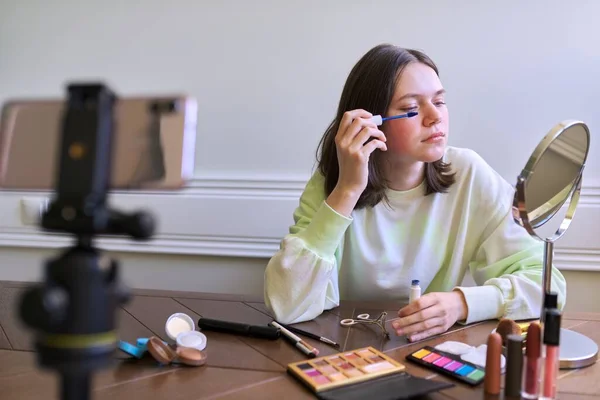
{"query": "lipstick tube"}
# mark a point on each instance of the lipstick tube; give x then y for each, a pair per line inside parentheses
(552, 322)
(493, 371)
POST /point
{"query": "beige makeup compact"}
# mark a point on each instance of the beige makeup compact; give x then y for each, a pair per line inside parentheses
(165, 354)
(180, 327)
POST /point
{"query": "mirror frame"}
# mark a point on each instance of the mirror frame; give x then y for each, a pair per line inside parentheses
(520, 214)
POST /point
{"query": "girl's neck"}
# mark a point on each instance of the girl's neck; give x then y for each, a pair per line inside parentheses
(404, 175)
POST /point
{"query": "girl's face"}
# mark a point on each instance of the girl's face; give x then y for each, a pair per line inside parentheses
(423, 137)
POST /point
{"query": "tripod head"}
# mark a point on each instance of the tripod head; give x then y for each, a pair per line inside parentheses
(73, 311)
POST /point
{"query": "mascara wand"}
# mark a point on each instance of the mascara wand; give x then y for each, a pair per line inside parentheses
(378, 119)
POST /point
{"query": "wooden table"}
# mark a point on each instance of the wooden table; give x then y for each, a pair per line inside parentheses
(239, 367)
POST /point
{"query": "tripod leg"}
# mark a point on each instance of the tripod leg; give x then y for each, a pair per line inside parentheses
(75, 387)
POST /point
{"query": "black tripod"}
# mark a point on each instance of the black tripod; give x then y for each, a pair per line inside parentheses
(73, 311)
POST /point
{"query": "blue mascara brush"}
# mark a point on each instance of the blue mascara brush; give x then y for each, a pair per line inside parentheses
(378, 120)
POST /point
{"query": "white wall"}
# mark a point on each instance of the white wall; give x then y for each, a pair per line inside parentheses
(268, 75)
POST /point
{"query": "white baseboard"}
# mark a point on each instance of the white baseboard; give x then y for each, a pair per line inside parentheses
(247, 217)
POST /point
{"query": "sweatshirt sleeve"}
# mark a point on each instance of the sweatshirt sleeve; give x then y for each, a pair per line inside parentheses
(507, 266)
(301, 279)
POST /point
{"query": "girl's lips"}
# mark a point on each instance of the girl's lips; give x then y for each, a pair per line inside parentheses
(435, 137)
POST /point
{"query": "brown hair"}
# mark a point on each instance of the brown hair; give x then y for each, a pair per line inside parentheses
(371, 85)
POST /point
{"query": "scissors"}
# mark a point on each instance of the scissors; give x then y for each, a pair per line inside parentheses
(366, 319)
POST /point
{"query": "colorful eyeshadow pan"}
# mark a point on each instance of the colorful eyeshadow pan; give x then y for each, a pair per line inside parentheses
(352, 373)
(328, 370)
(343, 369)
(359, 362)
(338, 376)
(440, 362)
(335, 361)
(448, 364)
(431, 357)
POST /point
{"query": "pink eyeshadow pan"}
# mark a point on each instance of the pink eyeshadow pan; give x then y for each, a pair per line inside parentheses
(328, 369)
(431, 357)
(346, 365)
(440, 362)
(453, 366)
(320, 379)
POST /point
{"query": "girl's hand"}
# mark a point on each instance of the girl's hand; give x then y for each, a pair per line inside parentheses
(353, 154)
(432, 314)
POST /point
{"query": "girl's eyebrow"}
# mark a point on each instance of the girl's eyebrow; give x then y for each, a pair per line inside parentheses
(441, 91)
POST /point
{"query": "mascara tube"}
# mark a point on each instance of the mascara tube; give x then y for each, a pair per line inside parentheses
(236, 328)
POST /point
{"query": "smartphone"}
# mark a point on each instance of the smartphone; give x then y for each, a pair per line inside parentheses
(150, 150)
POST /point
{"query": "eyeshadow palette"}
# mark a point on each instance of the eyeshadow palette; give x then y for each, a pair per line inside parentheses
(360, 372)
(448, 364)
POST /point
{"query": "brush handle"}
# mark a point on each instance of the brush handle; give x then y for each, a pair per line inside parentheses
(379, 120)
(258, 331)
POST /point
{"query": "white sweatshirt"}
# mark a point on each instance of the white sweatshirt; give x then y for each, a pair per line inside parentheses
(374, 254)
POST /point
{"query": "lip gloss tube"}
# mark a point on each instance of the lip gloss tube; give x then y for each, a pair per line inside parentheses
(532, 362)
(551, 345)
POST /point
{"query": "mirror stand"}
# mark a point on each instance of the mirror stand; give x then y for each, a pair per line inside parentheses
(576, 350)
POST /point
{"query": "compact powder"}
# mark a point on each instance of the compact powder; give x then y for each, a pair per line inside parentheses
(160, 351)
(177, 324)
(193, 339)
(192, 357)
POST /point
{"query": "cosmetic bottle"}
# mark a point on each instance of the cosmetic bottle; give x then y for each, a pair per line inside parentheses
(415, 291)
(514, 366)
(532, 363)
(551, 361)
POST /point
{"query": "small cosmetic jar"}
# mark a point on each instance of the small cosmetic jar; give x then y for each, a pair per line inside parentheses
(180, 327)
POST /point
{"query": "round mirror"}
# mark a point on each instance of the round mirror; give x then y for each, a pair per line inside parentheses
(551, 177)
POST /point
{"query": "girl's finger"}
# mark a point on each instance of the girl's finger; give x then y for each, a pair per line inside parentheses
(428, 333)
(435, 311)
(425, 301)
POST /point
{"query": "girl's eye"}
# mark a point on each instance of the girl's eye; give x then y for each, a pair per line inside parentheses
(440, 103)
(409, 109)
